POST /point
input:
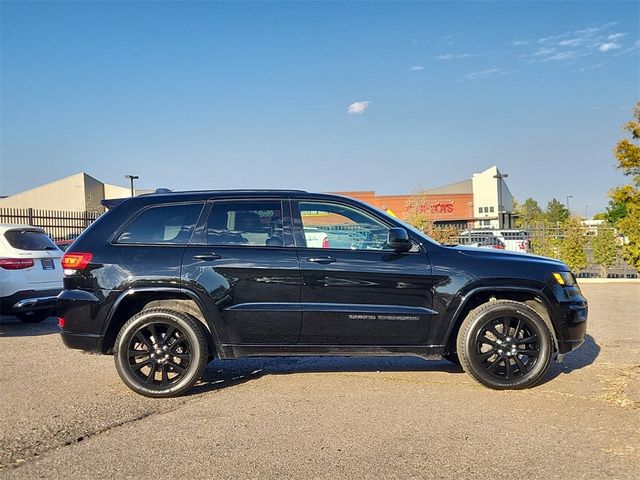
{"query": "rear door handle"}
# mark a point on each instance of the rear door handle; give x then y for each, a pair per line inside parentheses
(321, 259)
(207, 256)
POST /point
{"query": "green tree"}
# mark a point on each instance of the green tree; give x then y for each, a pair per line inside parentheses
(528, 213)
(604, 249)
(615, 211)
(572, 246)
(627, 152)
(556, 212)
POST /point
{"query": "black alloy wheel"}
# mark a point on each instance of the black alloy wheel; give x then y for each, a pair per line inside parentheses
(505, 344)
(507, 347)
(160, 352)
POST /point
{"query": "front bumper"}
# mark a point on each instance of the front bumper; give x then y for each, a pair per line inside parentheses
(29, 301)
(571, 318)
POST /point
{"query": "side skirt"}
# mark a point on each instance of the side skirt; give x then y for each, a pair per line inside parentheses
(431, 352)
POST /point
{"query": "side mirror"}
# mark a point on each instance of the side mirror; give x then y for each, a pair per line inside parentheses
(398, 240)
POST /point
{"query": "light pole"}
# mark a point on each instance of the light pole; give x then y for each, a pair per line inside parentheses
(132, 178)
(500, 176)
(568, 197)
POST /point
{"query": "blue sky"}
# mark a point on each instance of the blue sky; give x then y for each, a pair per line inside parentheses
(235, 95)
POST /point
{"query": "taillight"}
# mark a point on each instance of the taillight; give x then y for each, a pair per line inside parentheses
(16, 263)
(325, 242)
(75, 260)
(61, 322)
(499, 246)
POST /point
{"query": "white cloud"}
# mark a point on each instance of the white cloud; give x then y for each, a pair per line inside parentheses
(566, 55)
(616, 36)
(417, 68)
(482, 73)
(517, 43)
(572, 42)
(605, 47)
(358, 108)
(454, 56)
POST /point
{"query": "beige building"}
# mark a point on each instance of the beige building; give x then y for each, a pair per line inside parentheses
(76, 193)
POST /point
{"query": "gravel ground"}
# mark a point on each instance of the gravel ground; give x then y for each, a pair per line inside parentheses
(66, 414)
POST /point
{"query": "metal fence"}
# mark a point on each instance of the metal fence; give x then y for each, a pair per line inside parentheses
(59, 225)
(547, 241)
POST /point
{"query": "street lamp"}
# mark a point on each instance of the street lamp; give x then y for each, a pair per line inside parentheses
(132, 178)
(568, 197)
(500, 176)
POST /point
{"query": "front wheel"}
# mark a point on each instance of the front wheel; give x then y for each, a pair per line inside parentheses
(160, 352)
(505, 344)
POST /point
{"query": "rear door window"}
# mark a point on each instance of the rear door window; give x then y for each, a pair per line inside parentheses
(165, 224)
(29, 240)
(251, 223)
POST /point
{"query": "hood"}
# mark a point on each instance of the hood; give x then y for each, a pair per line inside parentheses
(500, 255)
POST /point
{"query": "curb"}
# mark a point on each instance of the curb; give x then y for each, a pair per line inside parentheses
(607, 280)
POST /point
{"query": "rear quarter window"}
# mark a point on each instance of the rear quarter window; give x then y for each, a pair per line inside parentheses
(165, 224)
(29, 240)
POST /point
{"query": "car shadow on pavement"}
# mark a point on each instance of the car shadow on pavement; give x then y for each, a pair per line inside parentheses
(226, 373)
(580, 358)
(12, 327)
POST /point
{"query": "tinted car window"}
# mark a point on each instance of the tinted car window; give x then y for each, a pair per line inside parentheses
(167, 224)
(328, 225)
(246, 223)
(29, 240)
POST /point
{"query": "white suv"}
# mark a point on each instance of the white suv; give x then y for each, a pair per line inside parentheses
(30, 273)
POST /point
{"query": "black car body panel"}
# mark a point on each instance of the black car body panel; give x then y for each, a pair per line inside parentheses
(287, 298)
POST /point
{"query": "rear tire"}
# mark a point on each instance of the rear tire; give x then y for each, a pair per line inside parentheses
(505, 344)
(160, 352)
(34, 317)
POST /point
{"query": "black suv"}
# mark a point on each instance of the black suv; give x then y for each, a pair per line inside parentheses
(168, 281)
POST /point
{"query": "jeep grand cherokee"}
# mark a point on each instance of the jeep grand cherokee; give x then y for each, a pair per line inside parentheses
(167, 282)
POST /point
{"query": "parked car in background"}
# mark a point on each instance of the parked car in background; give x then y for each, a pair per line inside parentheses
(512, 240)
(66, 241)
(167, 282)
(30, 272)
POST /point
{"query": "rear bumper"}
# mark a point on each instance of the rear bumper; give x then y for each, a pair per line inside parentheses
(81, 341)
(81, 312)
(29, 301)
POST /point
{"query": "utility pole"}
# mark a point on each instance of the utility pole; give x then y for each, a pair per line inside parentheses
(132, 178)
(500, 176)
(568, 197)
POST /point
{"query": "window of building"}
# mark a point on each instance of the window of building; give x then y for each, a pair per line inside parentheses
(479, 209)
(491, 209)
(256, 223)
(166, 224)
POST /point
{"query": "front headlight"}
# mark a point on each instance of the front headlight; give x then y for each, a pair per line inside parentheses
(566, 279)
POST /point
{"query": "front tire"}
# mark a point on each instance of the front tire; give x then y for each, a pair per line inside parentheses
(505, 344)
(160, 352)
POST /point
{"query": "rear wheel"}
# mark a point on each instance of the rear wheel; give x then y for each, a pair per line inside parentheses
(34, 317)
(505, 344)
(160, 352)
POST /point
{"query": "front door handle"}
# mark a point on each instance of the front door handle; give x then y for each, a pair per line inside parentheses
(207, 256)
(321, 259)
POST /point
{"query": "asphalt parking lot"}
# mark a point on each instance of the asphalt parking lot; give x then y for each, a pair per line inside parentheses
(66, 414)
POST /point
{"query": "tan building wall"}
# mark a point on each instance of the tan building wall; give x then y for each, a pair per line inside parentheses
(76, 193)
(114, 191)
(64, 194)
